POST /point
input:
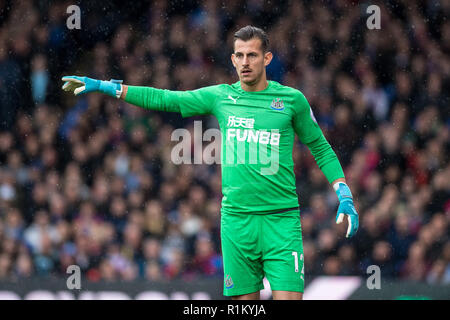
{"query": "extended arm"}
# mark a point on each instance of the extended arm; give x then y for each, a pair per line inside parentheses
(188, 103)
(150, 98)
(144, 97)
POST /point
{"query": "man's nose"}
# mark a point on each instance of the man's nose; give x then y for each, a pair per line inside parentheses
(245, 62)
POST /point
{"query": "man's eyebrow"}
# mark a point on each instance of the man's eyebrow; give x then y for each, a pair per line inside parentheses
(251, 52)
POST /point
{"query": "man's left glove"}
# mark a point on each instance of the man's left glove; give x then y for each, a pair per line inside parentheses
(82, 85)
(346, 207)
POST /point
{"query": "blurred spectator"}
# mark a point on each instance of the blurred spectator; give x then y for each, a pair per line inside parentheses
(41, 233)
(382, 257)
(348, 259)
(89, 180)
(153, 271)
(24, 266)
(439, 273)
(39, 78)
(401, 237)
(206, 261)
(416, 266)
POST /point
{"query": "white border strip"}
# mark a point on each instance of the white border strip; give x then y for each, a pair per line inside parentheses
(331, 288)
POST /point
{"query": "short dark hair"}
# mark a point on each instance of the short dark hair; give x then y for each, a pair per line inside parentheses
(250, 32)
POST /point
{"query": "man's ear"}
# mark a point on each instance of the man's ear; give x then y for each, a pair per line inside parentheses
(267, 58)
(232, 59)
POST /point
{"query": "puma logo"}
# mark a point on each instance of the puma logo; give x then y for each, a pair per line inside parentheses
(234, 100)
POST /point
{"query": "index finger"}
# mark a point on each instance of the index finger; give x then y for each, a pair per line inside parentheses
(71, 78)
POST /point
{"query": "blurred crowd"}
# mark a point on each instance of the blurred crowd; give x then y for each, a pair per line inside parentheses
(89, 180)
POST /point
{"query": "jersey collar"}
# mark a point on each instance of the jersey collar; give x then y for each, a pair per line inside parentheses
(237, 86)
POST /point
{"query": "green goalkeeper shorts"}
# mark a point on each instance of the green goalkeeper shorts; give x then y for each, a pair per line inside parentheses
(255, 246)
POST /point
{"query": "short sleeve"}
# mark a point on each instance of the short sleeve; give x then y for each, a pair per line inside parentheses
(304, 122)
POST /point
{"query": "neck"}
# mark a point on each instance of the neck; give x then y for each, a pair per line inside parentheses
(258, 85)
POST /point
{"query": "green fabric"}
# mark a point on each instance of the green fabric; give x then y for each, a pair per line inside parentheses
(152, 98)
(248, 256)
(326, 159)
(258, 130)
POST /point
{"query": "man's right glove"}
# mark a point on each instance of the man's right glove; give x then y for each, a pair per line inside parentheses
(81, 85)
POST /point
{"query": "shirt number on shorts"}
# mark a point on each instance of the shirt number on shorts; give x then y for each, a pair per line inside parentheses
(295, 254)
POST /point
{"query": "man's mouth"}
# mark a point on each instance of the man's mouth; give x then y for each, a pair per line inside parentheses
(245, 72)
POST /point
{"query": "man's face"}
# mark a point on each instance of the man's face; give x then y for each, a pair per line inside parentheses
(250, 60)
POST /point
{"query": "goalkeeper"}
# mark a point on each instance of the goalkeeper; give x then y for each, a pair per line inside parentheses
(260, 216)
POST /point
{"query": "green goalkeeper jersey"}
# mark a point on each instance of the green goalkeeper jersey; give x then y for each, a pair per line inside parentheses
(258, 131)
